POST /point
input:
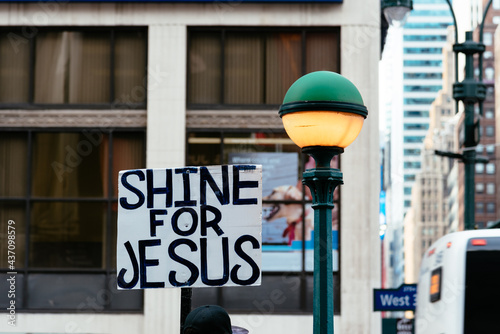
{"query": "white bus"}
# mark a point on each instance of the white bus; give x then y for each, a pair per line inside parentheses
(458, 290)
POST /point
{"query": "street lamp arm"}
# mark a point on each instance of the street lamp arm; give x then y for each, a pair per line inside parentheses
(454, 19)
(481, 29)
(449, 155)
(463, 157)
(456, 42)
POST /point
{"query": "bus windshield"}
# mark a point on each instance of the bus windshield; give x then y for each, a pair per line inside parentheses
(482, 281)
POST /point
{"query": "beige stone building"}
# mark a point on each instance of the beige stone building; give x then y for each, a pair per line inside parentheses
(91, 88)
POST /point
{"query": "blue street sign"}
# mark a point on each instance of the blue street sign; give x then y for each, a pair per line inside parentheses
(403, 298)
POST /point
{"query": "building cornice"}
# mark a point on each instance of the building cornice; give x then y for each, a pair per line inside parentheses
(72, 118)
(195, 119)
(233, 119)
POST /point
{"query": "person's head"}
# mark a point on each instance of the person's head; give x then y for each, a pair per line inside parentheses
(207, 319)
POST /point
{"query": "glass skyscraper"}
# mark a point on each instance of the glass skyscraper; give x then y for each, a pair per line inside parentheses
(411, 76)
(424, 36)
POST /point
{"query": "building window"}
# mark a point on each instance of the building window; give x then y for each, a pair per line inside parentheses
(422, 75)
(412, 152)
(422, 50)
(479, 207)
(490, 149)
(413, 139)
(423, 38)
(490, 188)
(489, 114)
(479, 168)
(412, 164)
(254, 67)
(488, 38)
(287, 262)
(60, 189)
(73, 67)
(409, 177)
(490, 131)
(479, 188)
(480, 225)
(426, 25)
(416, 113)
(490, 168)
(410, 101)
(418, 88)
(490, 207)
(489, 74)
(416, 126)
(425, 63)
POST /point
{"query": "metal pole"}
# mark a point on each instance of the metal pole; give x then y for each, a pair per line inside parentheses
(186, 295)
(322, 182)
(469, 198)
(470, 92)
(469, 144)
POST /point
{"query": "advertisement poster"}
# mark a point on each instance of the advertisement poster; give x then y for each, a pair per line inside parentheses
(286, 231)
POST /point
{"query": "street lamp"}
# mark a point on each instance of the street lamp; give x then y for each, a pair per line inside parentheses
(470, 91)
(396, 11)
(323, 113)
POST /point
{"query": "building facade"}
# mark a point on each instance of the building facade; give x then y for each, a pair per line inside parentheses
(429, 219)
(423, 39)
(486, 201)
(88, 89)
(417, 72)
(438, 196)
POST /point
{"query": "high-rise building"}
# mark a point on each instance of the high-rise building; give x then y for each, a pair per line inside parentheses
(426, 220)
(416, 67)
(424, 36)
(438, 194)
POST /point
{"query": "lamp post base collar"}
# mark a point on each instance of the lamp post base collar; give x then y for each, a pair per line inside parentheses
(322, 154)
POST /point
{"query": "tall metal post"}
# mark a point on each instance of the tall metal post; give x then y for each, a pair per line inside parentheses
(470, 92)
(322, 182)
(469, 189)
(186, 295)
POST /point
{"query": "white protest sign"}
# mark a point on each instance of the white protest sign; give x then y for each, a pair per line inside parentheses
(189, 227)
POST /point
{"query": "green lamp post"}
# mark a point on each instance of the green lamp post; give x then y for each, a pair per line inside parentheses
(323, 113)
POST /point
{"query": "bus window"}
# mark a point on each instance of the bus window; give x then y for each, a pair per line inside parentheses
(482, 279)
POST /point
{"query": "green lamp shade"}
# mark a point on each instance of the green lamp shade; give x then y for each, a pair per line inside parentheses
(323, 109)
